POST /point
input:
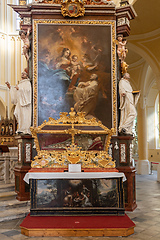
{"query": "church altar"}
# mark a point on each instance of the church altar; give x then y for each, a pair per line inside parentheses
(75, 59)
(81, 193)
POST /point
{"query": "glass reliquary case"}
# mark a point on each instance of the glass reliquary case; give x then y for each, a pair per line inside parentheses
(72, 139)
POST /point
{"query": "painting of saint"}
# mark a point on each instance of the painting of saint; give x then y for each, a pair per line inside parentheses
(74, 69)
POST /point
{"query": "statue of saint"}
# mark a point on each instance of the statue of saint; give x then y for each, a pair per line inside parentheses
(128, 102)
(21, 97)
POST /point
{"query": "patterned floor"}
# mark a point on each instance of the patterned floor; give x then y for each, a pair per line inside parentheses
(146, 216)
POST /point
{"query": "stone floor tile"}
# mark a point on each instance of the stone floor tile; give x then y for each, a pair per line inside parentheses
(12, 224)
(156, 237)
(11, 233)
(3, 237)
(150, 232)
(142, 236)
(139, 229)
(155, 228)
(22, 237)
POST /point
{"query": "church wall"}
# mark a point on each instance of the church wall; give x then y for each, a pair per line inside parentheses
(2, 109)
(12, 59)
(2, 15)
(12, 62)
(2, 58)
(153, 152)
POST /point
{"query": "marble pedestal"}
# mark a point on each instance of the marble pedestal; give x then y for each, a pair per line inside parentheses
(25, 144)
(122, 153)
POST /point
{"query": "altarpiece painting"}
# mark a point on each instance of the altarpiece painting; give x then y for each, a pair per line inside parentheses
(74, 66)
(77, 193)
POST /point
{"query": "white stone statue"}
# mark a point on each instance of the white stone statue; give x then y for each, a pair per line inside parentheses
(21, 97)
(128, 102)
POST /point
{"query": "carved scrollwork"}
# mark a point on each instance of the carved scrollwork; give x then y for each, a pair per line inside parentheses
(73, 155)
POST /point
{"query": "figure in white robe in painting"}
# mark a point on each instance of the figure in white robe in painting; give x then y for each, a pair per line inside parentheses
(21, 97)
(85, 96)
(128, 102)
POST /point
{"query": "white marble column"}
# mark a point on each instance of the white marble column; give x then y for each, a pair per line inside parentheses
(143, 166)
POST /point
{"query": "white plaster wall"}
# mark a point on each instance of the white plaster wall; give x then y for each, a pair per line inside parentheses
(11, 60)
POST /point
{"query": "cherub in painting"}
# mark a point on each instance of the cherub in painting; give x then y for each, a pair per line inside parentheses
(75, 71)
(75, 65)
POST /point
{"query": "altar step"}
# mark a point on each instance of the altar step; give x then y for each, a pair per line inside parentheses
(77, 226)
(10, 207)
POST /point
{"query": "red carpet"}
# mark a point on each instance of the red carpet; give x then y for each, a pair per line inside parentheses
(77, 222)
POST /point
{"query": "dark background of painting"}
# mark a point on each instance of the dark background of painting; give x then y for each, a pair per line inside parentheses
(53, 85)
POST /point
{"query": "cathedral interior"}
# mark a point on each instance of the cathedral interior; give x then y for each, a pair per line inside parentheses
(143, 59)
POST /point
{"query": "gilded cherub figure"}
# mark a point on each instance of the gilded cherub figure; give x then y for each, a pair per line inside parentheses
(25, 38)
(121, 49)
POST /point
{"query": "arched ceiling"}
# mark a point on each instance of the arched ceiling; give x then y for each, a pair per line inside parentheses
(144, 43)
(147, 18)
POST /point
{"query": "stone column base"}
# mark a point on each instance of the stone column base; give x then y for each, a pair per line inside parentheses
(143, 167)
(158, 173)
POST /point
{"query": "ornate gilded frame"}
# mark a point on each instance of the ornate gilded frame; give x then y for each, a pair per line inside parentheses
(110, 23)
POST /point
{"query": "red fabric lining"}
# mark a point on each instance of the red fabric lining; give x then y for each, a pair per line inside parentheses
(77, 222)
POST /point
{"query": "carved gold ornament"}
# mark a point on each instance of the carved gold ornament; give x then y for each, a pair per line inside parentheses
(72, 8)
(70, 125)
(124, 67)
(87, 159)
(22, 2)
